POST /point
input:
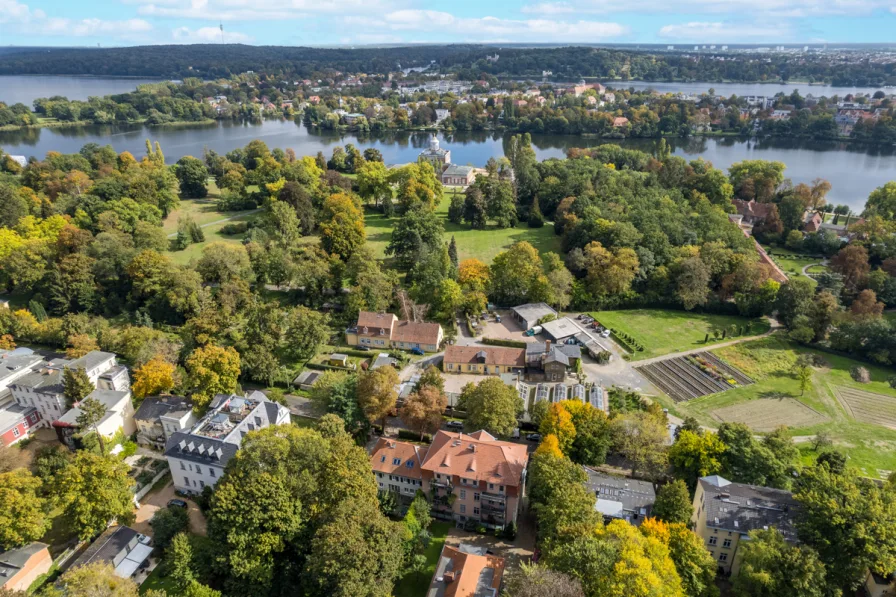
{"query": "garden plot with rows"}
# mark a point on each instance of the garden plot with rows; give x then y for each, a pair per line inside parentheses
(767, 414)
(867, 407)
(688, 377)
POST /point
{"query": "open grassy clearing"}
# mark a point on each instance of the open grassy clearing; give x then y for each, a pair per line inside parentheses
(663, 331)
(213, 234)
(792, 263)
(479, 244)
(769, 402)
(416, 584)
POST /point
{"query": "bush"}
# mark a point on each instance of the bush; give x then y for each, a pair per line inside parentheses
(505, 343)
(413, 435)
(860, 374)
(892, 382)
(509, 532)
(234, 228)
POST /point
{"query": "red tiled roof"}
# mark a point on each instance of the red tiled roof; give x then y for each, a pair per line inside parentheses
(462, 580)
(486, 355)
(383, 456)
(416, 332)
(479, 457)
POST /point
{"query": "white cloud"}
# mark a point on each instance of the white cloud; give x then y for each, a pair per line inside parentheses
(756, 8)
(208, 35)
(36, 22)
(493, 28)
(251, 10)
(700, 31)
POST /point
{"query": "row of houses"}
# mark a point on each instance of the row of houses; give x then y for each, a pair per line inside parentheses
(541, 360)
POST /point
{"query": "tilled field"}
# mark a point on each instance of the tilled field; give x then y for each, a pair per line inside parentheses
(682, 379)
(766, 414)
(868, 407)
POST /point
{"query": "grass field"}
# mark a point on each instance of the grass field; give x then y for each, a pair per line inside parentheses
(663, 331)
(770, 402)
(415, 584)
(156, 581)
(792, 263)
(481, 244)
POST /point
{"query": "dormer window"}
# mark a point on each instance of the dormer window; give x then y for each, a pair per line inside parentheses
(409, 464)
(382, 459)
(382, 332)
(396, 461)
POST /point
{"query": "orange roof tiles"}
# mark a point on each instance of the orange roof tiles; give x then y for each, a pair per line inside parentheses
(385, 453)
(479, 457)
(465, 571)
(415, 332)
(488, 355)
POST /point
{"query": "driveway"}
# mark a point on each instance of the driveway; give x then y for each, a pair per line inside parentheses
(156, 500)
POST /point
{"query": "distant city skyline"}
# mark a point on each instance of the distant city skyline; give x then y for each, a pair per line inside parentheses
(364, 22)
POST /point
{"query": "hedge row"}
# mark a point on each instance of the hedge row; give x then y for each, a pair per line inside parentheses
(505, 343)
(322, 367)
(414, 436)
(627, 342)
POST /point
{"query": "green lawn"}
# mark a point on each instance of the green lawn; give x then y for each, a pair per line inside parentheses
(158, 582)
(481, 244)
(769, 362)
(415, 584)
(663, 331)
(792, 263)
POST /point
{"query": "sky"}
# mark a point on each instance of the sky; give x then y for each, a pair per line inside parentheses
(360, 22)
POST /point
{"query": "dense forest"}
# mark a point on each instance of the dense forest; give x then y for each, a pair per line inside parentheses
(208, 60)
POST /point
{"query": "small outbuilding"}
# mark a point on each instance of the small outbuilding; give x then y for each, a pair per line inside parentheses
(529, 314)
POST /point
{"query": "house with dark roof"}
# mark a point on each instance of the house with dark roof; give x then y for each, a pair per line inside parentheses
(15, 364)
(121, 547)
(197, 456)
(19, 567)
(620, 497)
(551, 361)
(725, 513)
(160, 416)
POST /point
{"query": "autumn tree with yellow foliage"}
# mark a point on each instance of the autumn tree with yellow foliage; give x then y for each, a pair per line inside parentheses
(558, 423)
(154, 377)
(213, 370)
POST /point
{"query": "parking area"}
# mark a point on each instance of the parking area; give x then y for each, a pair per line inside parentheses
(156, 500)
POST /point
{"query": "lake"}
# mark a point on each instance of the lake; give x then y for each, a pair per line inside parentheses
(25, 89)
(853, 169)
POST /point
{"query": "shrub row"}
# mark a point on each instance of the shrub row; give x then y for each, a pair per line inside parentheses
(413, 435)
(323, 367)
(629, 343)
(505, 343)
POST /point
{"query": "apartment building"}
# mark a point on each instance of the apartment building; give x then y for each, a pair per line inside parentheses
(384, 330)
(466, 571)
(398, 467)
(119, 415)
(197, 456)
(160, 416)
(725, 513)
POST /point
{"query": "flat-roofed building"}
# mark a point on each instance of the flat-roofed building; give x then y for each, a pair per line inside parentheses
(620, 497)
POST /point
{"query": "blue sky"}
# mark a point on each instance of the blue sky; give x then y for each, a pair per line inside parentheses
(316, 22)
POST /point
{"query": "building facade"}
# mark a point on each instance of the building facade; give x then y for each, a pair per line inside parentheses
(484, 360)
(398, 467)
(160, 416)
(384, 330)
(119, 415)
(725, 513)
(197, 456)
(435, 155)
(16, 422)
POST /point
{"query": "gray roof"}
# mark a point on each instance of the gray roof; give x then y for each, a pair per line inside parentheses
(306, 378)
(382, 360)
(154, 407)
(562, 328)
(213, 451)
(90, 360)
(108, 398)
(107, 546)
(12, 561)
(13, 364)
(47, 381)
(636, 496)
(743, 508)
(457, 170)
(11, 414)
(533, 311)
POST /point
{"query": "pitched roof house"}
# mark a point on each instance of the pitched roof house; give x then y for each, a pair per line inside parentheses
(384, 330)
(466, 571)
(483, 359)
(21, 566)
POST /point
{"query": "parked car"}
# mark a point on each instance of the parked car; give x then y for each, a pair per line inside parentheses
(417, 351)
(534, 437)
(605, 334)
(362, 348)
(176, 503)
(498, 318)
(454, 425)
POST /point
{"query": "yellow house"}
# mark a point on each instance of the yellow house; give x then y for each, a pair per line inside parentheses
(384, 330)
(484, 360)
(725, 512)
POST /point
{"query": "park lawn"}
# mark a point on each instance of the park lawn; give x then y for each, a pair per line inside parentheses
(212, 234)
(769, 362)
(415, 584)
(663, 331)
(792, 263)
(156, 581)
(479, 244)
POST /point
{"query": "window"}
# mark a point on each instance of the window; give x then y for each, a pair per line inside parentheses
(15, 432)
(475, 497)
(396, 461)
(463, 494)
(202, 484)
(383, 458)
(187, 481)
(409, 464)
(476, 511)
(463, 509)
(501, 488)
(491, 485)
(211, 471)
(723, 557)
(450, 366)
(713, 540)
(182, 467)
(726, 543)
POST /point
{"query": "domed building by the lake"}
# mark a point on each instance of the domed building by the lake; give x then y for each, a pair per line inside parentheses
(435, 155)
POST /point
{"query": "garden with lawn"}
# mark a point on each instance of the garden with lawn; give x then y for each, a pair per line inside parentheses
(859, 417)
(793, 263)
(479, 244)
(415, 584)
(661, 331)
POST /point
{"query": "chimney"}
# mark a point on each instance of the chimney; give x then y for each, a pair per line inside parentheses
(449, 577)
(547, 346)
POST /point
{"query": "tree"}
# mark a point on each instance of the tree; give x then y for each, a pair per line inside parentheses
(851, 262)
(423, 409)
(804, 374)
(431, 377)
(92, 412)
(557, 493)
(306, 331)
(849, 522)
(192, 175)
(166, 523)
(696, 567)
(673, 503)
(154, 377)
(558, 422)
(79, 345)
(773, 567)
(23, 513)
(377, 394)
(794, 299)
(180, 561)
(517, 276)
(537, 580)
(223, 262)
(94, 579)
(696, 455)
(882, 201)
(866, 305)
(641, 438)
(373, 182)
(692, 277)
(342, 226)
(536, 218)
(492, 405)
(282, 222)
(92, 490)
(473, 275)
(609, 273)
(592, 437)
(212, 370)
(452, 255)
(76, 385)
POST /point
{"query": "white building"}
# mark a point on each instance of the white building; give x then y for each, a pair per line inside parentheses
(438, 157)
(197, 457)
(119, 415)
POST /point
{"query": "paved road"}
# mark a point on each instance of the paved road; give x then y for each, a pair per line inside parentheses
(221, 221)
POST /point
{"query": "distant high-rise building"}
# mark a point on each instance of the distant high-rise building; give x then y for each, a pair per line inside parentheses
(724, 48)
(670, 47)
